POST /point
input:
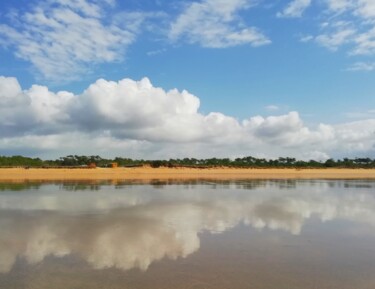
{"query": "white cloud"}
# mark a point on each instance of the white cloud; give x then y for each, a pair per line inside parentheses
(138, 119)
(216, 24)
(338, 34)
(334, 40)
(361, 114)
(365, 43)
(272, 107)
(156, 52)
(339, 5)
(288, 131)
(10, 91)
(357, 136)
(346, 23)
(295, 9)
(61, 39)
(362, 66)
(306, 38)
(366, 9)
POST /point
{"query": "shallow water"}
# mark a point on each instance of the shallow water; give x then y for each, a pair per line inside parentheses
(191, 234)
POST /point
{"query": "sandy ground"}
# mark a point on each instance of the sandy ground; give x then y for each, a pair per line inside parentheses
(21, 174)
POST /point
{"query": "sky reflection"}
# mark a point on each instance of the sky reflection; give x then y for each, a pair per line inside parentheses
(132, 226)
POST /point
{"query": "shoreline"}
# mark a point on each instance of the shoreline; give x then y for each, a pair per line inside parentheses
(147, 173)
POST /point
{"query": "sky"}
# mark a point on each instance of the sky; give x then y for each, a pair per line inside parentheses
(171, 79)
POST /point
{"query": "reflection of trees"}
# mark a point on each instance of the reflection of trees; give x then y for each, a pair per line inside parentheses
(19, 186)
(80, 187)
(246, 184)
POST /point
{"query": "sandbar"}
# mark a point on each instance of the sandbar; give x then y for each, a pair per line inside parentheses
(147, 173)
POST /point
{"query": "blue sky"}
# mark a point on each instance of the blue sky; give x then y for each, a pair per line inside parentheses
(220, 78)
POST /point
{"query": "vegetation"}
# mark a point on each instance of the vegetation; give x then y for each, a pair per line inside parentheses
(15, 161)
(245, 162)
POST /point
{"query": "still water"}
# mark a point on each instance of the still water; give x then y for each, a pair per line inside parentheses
(290, 234)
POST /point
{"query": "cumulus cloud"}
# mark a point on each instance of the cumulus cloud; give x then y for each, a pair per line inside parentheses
(133, 230)
(138, 119)
(357, 136)
(216, 24)
(288, 130)
(62, 38)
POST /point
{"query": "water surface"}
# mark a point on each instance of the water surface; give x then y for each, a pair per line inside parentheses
(191, 234)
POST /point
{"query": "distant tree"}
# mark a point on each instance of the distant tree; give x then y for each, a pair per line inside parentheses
(330, 163)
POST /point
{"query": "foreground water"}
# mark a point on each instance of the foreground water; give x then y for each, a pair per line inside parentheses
(196, 234)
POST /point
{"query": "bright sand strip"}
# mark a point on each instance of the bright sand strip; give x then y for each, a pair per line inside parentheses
(147, 173)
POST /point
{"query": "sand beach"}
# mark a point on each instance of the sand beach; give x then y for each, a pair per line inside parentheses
(147, 173)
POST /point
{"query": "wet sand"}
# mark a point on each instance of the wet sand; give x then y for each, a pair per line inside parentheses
(146, 173)
(257, 234)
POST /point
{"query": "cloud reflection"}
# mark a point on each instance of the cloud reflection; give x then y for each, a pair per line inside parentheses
(131, 228)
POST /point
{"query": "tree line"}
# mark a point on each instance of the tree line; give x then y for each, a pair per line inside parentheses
(245, 162)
